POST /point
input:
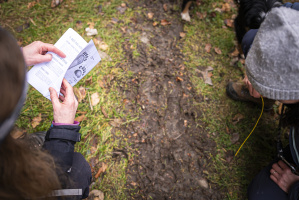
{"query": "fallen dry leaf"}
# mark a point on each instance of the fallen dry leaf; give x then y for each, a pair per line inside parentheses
(101, 83)
(164, 22)
(80, 118)
(104, 112)
(116, 122)
(88, 81)
(83, 91)
(207, 75)
(235, 138)
(90, 25)
(36, 120)
(150, 15)
(133, 183)
(123, 5)
(31, 4)
(123, 29)
(96, 41)
(103, 45)
(229, 23)
(178, 79)
(218, 10)
(155, 23)
(126, 101)
(238, 117)
(242, 61)
(226, 7)
(97, 194)
(201, 15)
(101, 170)
(218, 51)
(95, 99)
(235, 53)
(165, 7)
(182, 34)
(16, 133)
(80, 93)
(208, 48)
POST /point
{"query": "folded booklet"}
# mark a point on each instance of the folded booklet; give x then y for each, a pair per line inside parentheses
(80, 58)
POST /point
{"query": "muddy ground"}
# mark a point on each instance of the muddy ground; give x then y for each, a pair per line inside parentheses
(171, 150)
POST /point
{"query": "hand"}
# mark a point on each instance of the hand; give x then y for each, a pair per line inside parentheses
(35, 53)
(65, 111)
(282, 175)
(252, 91)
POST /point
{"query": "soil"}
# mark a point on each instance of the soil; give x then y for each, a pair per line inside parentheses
(171, 150)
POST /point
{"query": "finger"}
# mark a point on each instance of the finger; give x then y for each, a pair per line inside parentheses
(63, 91)
(277, 168)
(256, 94)
(69, 90)
(281, 184)
(273, 178)
(274, 173)
(282, 165)
(54, 97)
(63, 86)
(61, 98)
(52, 48)
(43, 58)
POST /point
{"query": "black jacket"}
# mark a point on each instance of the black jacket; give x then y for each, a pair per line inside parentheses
(73, 170)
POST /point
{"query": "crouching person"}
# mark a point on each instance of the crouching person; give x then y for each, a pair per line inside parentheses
(54, 171)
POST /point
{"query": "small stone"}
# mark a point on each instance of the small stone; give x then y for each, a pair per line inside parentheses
(203, 183)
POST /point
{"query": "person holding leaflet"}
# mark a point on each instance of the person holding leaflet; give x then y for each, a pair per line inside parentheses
(55, 170)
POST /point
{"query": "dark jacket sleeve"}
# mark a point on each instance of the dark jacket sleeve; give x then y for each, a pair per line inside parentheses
(73, 169)
(294, 191)
(60, 141)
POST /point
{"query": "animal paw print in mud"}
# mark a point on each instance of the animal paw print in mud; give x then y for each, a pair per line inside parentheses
(80, 72)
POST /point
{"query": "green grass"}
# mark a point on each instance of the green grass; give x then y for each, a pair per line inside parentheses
(48, 24)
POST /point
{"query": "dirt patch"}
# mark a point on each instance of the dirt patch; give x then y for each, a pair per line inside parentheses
(171, 149)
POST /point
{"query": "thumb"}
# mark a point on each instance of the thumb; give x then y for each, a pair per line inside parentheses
(53, 96)
(43, 58)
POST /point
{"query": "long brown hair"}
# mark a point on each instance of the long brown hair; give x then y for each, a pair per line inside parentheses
(25, 173)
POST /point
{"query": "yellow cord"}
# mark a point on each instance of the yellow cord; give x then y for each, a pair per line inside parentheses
(252, 129)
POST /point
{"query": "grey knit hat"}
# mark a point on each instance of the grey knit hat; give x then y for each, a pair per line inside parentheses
(272, 64)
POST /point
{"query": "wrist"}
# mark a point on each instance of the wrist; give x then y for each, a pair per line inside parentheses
(75, 123)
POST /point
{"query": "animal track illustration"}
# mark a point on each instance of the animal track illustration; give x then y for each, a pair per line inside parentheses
(83, 57)
(80, 72)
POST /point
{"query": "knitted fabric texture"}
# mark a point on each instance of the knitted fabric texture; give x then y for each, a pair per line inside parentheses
(272, 64)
